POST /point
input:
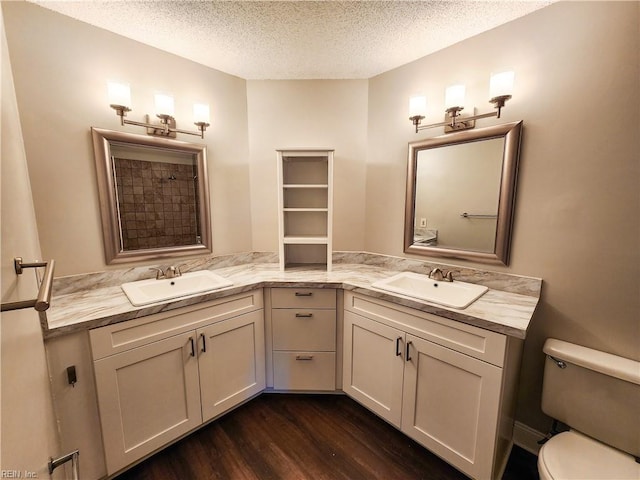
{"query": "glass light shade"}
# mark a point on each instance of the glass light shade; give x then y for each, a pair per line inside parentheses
(119, 94)
(200, 113)
(501, 84)
(417, 106)
(164, 104)
(454, 96)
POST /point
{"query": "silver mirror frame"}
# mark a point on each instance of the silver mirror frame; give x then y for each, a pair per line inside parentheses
(512, 133)
(108, 204)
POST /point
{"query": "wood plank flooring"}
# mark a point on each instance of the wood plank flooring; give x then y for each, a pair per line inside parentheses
(294, 437)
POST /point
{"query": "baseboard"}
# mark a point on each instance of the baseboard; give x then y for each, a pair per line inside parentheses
(526, 437)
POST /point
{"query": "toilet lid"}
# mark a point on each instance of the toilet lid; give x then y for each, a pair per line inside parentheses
(574, 456)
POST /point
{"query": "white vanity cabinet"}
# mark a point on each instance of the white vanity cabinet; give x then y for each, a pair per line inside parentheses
(161, 376)
(448, 385)
(231, 361)
(303, 338)
(147, 397)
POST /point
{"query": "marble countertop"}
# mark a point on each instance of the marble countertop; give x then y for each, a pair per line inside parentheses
(499, 310)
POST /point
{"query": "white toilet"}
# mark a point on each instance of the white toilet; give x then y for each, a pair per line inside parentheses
(598, 396)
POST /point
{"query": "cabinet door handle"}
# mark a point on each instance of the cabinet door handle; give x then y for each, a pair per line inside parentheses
(193, 346)
(304, 357)
(304, 315)
(304, 294)
(204, 342)
(407, 357)
(398, 352)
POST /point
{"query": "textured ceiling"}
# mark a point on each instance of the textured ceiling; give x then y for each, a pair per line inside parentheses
(297, 39)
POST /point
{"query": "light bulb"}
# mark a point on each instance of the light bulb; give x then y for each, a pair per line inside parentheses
(417, 106)
(119, 94)
(454, 96)
(164, 104)
(200, 113)
(501, 84)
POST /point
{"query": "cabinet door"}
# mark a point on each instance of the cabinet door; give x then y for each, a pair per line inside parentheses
(147, 397)
(232, 365)
(373, 365)
(450, 405)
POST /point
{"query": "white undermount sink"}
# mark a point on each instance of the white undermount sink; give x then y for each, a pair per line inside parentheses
(144, 292)
(450, 294)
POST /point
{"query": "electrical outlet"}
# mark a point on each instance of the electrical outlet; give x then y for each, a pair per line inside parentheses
(423, 222)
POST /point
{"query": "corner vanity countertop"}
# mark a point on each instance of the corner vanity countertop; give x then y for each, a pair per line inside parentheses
(497, 310)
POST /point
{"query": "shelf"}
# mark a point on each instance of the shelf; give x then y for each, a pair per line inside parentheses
(306, 240)
(305, 209)
(310, 171)
(305, 222)
(305, 206)
(305, 197)
(304, 152)
(306, 185)
(305, 254)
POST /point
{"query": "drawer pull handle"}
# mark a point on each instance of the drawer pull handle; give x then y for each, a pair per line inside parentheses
(398, 352)
(204, 342)
(304, 315)
(304, 294)
(193, 346)
(408, 345)
(304, 357)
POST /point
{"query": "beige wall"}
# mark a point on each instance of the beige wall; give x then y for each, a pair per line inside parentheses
(577, 210)
(61, 67)
(28, 429)
(309, 113)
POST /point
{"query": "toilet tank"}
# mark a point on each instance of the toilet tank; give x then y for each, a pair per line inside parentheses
(596, 393)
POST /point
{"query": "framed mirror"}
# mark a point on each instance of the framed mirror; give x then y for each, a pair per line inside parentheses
(461, 194)
(154, 196)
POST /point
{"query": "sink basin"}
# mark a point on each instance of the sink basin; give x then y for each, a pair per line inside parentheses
(450, 294)
(144, 292)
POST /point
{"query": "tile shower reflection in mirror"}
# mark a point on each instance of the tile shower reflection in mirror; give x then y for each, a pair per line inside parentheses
(157, 198)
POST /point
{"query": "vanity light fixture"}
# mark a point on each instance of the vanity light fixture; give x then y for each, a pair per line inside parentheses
(500, 90)
(120, 101)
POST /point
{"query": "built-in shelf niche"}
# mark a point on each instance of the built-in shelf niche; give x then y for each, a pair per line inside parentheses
(305, 207)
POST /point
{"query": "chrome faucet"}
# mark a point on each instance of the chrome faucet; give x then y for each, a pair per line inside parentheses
(170, 272)
(438, 275)
(159, 273)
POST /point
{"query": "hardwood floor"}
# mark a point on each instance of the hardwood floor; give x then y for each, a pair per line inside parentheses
(287, 437)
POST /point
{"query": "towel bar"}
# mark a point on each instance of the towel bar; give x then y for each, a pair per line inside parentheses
(476, 215)
(43, 300)
(75, 464)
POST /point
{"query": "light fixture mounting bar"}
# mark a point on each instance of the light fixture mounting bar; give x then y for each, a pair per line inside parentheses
(457, 122)
(166, 127)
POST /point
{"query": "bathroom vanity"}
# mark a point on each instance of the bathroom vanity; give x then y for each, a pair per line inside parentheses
(147, 376)
(161, 376)
(447, 385)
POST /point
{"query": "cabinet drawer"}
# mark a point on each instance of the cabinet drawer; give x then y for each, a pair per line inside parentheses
(123, 336)
(304, 370)
(304, 329)
(473, 341)
(303, 298)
